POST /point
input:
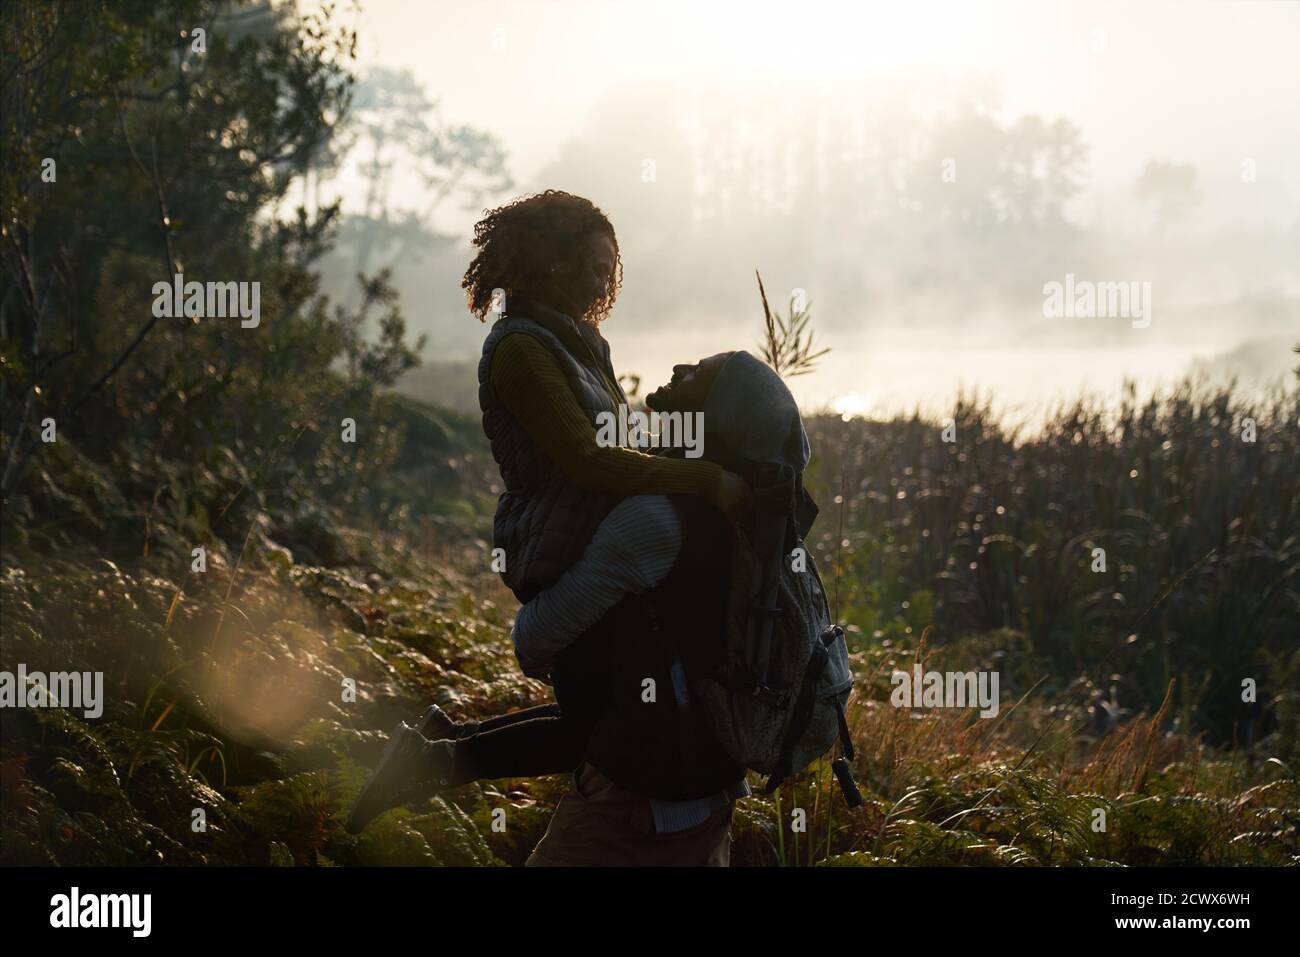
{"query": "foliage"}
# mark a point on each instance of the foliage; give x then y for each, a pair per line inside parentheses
(788, 343)
(996, 532)
(225, 694)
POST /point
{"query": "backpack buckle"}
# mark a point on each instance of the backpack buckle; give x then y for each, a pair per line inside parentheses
(753, 688)
(771, 696)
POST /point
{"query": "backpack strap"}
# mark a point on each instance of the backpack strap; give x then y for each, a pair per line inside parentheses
(687, 739)
(673, 659)
(774, 499)
(843, 772)
(801, 713)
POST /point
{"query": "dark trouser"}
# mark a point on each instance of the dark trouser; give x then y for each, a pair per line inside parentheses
(597, 823)
(521, 744)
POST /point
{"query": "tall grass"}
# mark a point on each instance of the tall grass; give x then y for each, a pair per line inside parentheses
(250, 724)
(993, 534)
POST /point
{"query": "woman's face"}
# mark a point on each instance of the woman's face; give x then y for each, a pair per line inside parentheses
(582, 281)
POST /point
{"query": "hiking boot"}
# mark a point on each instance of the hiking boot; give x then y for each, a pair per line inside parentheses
(408, 764)
(437, 725)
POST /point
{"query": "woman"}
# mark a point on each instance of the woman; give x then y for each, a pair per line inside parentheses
(549, 263)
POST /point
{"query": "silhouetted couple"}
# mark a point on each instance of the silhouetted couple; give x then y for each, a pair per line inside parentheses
(621, 559)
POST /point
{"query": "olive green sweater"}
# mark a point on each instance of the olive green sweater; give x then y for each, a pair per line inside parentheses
(530, 383)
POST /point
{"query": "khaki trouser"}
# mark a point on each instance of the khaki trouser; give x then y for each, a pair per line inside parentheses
(598, 823)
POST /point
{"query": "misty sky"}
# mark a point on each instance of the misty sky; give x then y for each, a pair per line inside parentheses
(581, 94)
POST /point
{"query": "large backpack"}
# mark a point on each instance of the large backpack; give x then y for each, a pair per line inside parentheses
(778, 702)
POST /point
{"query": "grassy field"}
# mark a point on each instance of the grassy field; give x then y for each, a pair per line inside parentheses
(230, 734)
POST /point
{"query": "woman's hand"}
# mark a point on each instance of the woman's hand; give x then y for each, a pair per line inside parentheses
(735, 498)
(541, 672)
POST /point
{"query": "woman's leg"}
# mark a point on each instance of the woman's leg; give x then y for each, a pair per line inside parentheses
(467, 728)
(438, 725)
(516, 747)
(521, 748)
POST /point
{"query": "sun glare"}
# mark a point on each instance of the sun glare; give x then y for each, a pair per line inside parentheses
(821, 38)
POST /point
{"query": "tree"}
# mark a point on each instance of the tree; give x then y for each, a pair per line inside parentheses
(402, 128)
(1170, 189)
(172, 149)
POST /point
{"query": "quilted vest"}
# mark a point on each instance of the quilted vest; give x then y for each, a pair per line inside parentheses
(543, 521)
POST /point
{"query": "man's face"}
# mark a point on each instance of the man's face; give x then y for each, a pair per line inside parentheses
(689, 386)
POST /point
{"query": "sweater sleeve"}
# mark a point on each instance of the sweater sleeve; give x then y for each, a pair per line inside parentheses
(632, 551)
(529, 382)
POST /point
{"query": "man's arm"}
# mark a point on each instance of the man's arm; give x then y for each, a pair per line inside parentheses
(633, 550)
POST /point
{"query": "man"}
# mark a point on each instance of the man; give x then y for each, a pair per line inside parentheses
(655, 786)
(623, 634)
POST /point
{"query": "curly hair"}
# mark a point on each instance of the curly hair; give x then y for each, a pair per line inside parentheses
(520, 242)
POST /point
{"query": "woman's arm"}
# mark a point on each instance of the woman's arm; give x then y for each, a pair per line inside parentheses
(529, 382)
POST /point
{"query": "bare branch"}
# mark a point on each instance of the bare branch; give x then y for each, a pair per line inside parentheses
(165, 225)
